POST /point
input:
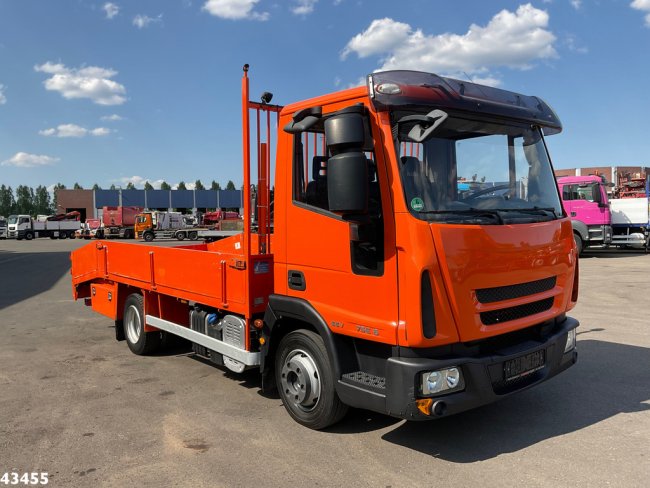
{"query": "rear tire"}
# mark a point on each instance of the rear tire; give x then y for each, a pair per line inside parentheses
(29, 236)
(194, 235)
(306, 382)
(579, 243)
(139, 341)
(180, 236)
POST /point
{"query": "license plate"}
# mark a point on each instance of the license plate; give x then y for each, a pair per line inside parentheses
(524, 365)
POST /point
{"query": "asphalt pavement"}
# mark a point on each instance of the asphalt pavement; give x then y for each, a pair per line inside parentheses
(80, 406)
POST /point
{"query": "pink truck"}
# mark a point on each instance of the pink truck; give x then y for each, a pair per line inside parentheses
(118, 222)
(600, 222)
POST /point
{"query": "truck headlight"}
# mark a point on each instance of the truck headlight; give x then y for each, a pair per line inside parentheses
(570, 340)
(443, 380)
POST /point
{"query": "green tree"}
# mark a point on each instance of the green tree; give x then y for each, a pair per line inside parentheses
(113, 187)
(42, 203)
(148, 186)
(77, 186)
(198, 185)
(165, 186)
(96, 187)
(130, 186)
(230, 185)
(24, 200)
(55, 203)
(7, 202)
(215, 186)
(181, 186)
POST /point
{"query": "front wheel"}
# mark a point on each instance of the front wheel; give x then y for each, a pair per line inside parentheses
(194, 235)
(139, 341)
(579, 244)
(180, 236)
(306, 381)
(148, 236)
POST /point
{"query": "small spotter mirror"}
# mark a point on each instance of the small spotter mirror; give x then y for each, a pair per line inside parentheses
(425, 124)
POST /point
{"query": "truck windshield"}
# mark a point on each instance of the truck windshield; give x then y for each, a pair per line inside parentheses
(13, 219)
(475, 172)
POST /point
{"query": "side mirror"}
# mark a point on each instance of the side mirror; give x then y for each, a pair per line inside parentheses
(347, 169)
(347, 183)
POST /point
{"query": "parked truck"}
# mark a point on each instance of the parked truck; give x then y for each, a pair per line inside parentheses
(3, 228)
(174, 225)
(89, 229)
(381, 287)
(60, 226)
(602, 222)
(118, 222)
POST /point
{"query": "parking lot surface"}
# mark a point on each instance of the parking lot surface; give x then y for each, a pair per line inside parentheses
(80, 406)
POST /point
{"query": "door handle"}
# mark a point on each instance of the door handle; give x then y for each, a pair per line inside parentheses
(297, 280)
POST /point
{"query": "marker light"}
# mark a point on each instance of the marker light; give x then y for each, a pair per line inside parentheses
(388, 89)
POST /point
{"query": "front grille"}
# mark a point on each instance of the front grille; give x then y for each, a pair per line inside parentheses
(500, 293)
(513, 313)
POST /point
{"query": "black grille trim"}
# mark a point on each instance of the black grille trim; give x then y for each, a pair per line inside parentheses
(509, 292)
(513, 313)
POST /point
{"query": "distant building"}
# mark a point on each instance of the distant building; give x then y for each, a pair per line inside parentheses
(90, 202)
(611, 173)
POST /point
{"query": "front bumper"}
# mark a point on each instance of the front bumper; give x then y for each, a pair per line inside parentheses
(483, 376)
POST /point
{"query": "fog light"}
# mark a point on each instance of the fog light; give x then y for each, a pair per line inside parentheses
(444, 380)
(570, 340)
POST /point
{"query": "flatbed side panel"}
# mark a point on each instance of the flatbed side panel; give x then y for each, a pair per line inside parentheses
(206, 277)
(87, 263)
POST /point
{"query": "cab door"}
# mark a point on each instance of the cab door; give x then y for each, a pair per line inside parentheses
(350, 280)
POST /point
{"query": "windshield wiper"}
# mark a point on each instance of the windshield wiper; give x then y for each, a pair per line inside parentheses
(474, 212)
(534, 210)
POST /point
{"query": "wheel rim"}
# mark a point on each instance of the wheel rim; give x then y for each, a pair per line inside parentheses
(300, 380)
(132, 321)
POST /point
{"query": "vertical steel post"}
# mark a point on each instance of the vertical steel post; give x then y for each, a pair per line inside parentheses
(247, 166)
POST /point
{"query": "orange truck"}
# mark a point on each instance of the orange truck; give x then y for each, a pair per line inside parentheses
(417, 260)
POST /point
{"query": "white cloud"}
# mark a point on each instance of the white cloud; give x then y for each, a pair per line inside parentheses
(382, 36)
(510, 39)
(234, 9)
(87, 82)
(138, 181)
(3, 98)
(111, 10)
(26, 160)
(576, 4)
(304, 7)
(142, 21)
(112, 118)
(73, 130)
(644, 6)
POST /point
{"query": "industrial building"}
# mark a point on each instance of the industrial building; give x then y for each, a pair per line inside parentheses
(90, 202)
(612, 174)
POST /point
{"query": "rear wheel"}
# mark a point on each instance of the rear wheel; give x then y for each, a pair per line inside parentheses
(194, 235)
(180, 236)
(29, 236)
(579, 243)
(306, 382)
(139, 341)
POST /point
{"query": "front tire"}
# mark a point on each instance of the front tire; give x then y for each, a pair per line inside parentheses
(140, 342)
(579, 243)
(306, 382)
(194, 235)
(148, 236)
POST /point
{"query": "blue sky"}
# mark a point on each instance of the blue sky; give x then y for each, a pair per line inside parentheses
(134, 90)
